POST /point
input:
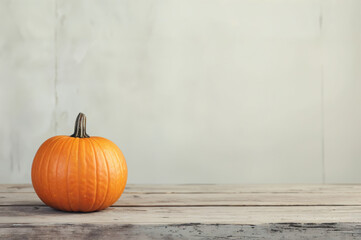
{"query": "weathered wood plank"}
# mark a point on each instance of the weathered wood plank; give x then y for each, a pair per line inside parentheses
(277, 231)
(213, 188)
(193, 212)
(236, 199)
(180, 215)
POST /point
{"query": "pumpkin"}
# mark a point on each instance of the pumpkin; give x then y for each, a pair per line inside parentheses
(79, 173)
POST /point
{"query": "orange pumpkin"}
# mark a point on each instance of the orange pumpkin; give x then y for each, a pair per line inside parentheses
(79, 173)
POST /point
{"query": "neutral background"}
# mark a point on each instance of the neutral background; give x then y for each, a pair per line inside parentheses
(192, 91)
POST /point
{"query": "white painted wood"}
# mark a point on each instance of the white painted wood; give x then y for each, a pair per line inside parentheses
(342, 74)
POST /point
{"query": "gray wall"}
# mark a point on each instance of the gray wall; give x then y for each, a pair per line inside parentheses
(192, 91)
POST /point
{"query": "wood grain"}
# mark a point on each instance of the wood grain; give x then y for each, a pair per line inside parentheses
(204, 199)
(181, 215)
(274, 231)
(193, 212)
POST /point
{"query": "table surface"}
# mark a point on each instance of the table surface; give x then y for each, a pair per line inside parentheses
(192, 212)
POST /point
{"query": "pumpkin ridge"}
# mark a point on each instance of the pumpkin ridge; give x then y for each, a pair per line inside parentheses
(108, 183)
(82, 175)
(56, 171)
(75, 163)
(38, 166)
(46, 161)
(116, 166)
(79, 178)
(49, 188)
(96, 173)
(36, 163)
(67, 176)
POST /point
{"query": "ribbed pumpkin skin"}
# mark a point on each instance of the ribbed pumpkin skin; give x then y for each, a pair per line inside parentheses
(79, 174)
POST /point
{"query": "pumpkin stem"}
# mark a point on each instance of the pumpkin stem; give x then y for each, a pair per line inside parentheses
(80, 127)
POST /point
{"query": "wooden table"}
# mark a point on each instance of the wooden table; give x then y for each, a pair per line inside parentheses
(192, 212)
